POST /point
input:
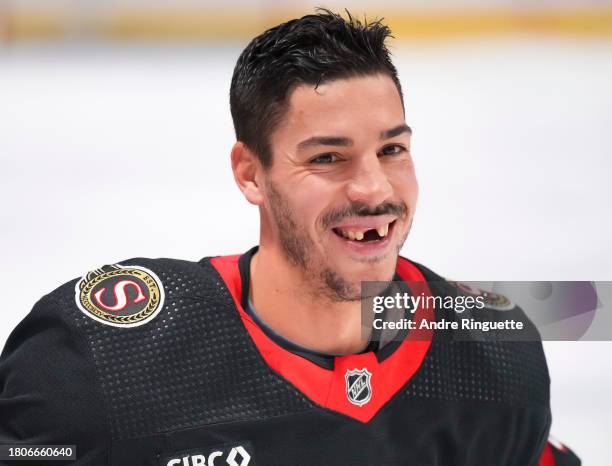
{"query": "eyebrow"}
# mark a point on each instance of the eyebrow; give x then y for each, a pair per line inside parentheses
(391, 133)
(325, 141)
(347, 142)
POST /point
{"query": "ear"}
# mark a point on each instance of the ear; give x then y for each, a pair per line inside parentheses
(245, 166)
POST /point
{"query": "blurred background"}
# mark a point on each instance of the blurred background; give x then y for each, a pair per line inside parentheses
(115, 135)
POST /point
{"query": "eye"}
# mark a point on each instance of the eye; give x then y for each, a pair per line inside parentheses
(325, 158)
(393, 149)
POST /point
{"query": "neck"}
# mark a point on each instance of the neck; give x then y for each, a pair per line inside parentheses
(289, 303)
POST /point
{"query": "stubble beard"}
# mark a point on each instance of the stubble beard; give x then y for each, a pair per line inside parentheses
(298, 247)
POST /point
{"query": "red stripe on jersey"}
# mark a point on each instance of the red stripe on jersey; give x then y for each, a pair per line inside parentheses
(547, 458)
(325, 387)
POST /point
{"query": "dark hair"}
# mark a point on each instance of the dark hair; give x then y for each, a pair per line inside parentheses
(310, 50)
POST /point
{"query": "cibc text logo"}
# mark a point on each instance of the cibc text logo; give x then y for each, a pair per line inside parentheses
(230, 456)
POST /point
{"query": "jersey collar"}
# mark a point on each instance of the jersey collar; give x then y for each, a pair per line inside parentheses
(329, 385)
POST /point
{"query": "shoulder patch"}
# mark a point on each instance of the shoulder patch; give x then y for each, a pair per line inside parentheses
(495, 301)
(121, 296)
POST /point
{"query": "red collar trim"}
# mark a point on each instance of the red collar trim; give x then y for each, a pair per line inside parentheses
(325, 387)
(547, 458)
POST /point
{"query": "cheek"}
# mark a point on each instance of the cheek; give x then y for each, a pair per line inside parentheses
(405, 186)
(308, 206)
(414, 191)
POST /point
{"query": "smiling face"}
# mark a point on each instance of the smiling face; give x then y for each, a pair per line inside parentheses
(340, 195)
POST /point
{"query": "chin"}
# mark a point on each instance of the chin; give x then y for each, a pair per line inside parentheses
(382, 271)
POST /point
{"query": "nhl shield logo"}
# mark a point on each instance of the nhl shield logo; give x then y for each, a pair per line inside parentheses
(358, 387)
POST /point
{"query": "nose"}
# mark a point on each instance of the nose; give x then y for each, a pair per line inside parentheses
(369, 182)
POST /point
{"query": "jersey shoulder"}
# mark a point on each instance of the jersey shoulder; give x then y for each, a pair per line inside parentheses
(476, 360)
(125, 294)
(132, 292)
(491, 300)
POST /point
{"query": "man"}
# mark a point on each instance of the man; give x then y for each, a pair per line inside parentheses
(260, 358)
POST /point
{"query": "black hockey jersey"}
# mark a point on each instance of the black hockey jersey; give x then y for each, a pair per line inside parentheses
(157, 362)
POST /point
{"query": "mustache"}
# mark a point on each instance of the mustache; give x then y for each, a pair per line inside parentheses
(360, 209)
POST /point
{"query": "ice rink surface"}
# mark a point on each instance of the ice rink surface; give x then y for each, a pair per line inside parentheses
(111, 151)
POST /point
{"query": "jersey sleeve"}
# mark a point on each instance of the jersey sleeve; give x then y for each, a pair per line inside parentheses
(557, 454)
(48, 387)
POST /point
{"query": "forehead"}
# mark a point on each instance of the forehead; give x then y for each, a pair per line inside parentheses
(364, 105)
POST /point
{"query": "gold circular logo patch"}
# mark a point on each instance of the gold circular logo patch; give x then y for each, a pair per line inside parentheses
(120, 296)
(495, 301)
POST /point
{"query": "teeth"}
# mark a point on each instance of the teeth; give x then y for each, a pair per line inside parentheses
(358, 235)
(383, 230)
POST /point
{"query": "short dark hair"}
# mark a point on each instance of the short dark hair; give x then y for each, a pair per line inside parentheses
(313, 49)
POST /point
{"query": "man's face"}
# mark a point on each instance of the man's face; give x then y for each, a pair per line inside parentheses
(341, 193)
